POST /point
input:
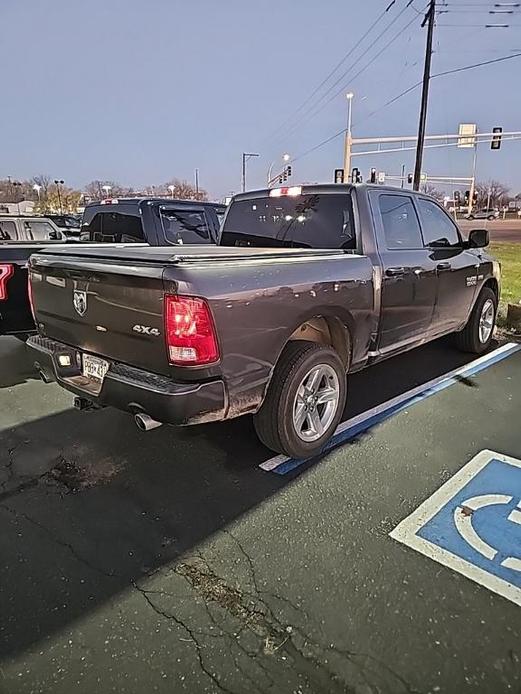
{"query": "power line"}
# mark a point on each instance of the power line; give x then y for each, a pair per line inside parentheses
(309, 114)
(319, 107)
(406, 91)
(332, 72)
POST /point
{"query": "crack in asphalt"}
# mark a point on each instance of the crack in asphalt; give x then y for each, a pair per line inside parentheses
(191, 633)
(255, 615)
(9, 466)
(265, 625)
(345, 653)
(60, 542)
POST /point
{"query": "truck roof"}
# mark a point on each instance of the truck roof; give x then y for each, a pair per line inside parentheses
(108, 202)
(307, 188)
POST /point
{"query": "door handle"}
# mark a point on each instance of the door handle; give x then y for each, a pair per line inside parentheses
(395, 271)
(441, 267)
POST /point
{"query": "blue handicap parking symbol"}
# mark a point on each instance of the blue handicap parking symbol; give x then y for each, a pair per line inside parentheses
(473, 524)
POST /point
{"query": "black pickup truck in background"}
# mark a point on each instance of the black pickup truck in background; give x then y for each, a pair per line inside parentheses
(154, 222)
(307, 285)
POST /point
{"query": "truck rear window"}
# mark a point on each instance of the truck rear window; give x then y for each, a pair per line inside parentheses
(107, 225)
(310, 220)
(185, 226)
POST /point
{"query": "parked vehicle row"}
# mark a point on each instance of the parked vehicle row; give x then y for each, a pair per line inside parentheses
(306, 285)
(154, 222)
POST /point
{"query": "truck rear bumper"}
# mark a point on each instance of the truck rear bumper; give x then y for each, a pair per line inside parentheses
(131, 389)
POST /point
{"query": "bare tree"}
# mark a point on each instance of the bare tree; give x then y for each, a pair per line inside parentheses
(95, 189)
(430, 189)
(182, 190)
(497, 191)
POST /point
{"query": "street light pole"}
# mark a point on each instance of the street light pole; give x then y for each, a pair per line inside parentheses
(473, 180)
(245, 157)
(285, 159)
(348, 142)
(58, 183)
(429, 18)
(197, 184)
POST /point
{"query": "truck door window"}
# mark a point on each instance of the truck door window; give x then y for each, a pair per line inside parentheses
(42, 231)
(8, 231)
(316, 220)
(438, 229)
(400, 222)
(185, 226)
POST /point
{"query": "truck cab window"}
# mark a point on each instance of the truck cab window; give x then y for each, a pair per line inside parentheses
(438, 229)
(108, 226)
(400, 222)
(318, 220)
(185, 226)
(8, 231)
(42, 231)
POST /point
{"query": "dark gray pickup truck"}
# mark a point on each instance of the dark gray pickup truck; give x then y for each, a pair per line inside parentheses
(306, 285)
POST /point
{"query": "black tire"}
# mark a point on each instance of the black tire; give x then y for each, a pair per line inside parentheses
(468, 340)
(274, 421)
(470, 216)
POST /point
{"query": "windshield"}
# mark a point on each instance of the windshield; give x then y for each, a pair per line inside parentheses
(66, 221)
(310, 220)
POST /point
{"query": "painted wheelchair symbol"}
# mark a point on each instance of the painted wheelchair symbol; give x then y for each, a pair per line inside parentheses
(463, 521)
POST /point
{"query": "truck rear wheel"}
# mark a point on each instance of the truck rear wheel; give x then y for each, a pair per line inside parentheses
(476, 336)
(305, 400)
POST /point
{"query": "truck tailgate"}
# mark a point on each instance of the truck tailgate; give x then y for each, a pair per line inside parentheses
(108, 307)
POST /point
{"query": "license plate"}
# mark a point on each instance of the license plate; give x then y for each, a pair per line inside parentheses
(94, 367)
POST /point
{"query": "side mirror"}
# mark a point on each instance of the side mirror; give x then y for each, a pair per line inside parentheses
(478, 238)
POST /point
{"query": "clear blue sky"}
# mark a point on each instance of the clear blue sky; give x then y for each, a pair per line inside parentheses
(143, 91)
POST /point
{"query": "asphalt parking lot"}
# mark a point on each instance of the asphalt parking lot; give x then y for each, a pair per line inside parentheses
(169, 561)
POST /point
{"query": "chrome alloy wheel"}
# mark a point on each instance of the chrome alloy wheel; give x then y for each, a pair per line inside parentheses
(316, 402)
(486, 321)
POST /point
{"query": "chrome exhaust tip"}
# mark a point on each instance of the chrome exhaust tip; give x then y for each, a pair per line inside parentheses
(145, 423)
(44, 376)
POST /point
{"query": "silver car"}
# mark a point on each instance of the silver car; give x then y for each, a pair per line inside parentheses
(484, 214)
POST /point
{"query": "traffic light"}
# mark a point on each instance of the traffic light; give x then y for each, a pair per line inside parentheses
(372, 177)
(339, 176)
(285, 175)
(288, 170)
(457, 197)
(467, 197)
(280, 180)
(475, 197)
(496, 139)
(409, 178)
(356, 176)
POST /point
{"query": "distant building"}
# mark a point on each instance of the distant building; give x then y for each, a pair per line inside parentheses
(22, 207)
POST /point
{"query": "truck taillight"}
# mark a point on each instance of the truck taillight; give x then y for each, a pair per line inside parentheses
(189, 331)
(6, 271)
(292, 191)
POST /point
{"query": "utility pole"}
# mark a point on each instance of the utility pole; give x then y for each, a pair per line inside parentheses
(197, 184)
(429, 19)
